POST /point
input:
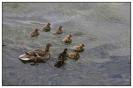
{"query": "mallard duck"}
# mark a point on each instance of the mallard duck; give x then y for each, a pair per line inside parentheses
(79, 48)
(74, 55)
(34, 33)
(37, 55)
(60, 30)
(61, 59)
(67, 39)
(47, 28)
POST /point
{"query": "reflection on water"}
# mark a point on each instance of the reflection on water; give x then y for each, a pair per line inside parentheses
(103, 27)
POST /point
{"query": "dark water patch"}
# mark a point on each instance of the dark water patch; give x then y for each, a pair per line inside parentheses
(116, 76)
(119, 64)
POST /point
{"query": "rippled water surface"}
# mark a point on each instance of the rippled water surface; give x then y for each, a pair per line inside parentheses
(103, 27)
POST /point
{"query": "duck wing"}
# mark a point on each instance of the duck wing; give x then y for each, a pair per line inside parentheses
(24, 57)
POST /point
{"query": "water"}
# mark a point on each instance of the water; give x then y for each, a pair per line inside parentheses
(103, 27)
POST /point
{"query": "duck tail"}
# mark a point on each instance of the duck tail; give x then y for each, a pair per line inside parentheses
(59, 64)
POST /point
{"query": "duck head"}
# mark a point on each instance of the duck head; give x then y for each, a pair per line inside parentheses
(36, 30)
(70, 36)
(65, 50)
(48, 46)
(48, 24)
(82, 45)
(60, 27)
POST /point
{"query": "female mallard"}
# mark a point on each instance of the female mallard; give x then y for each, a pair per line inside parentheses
(67, 39)
(61, 59)
(79, 48)
(47, 28)
(60, 30)
(34, 33)
(74, 55)
(38, 55)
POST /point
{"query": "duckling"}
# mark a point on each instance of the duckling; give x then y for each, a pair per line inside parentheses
(47, 28)
(38, 55)
(34, 33)
(67, 39)
(79, 48)
(74, 55)
(63, 55)
(59, 31)
(61, 59)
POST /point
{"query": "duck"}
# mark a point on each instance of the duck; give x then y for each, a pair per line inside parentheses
(61, 59)
(34, 33)
(60, 30)
(37, 55)
(74, 55)
(67, 39)
(79, 48)
(47, 28)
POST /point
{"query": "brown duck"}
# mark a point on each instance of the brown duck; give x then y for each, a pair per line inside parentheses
(79, 48)
(37, 55)
(35, 33)
(74, 55)
(67, 39)
(60, 30)
(47, 28)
